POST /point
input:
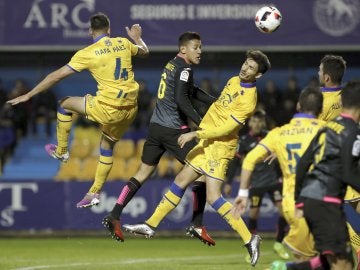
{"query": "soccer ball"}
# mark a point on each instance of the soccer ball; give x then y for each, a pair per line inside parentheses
(268, 19)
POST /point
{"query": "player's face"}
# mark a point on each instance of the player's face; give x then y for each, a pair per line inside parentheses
(249, 71)
(256, 125)
(192, 51)
(321, 75)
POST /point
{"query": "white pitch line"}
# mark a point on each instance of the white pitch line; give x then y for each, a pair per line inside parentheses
(130, 261)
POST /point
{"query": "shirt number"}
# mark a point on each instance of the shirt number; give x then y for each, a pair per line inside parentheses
(120, 73)
(162, 86)
(293, 156)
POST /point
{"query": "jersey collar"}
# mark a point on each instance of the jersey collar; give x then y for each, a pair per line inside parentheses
(304, 115)
(346, 115)
(330, 89)
(100, 37)
(247, 85)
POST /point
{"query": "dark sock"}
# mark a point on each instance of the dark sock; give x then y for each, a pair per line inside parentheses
(125, 196)
(281, 229)
(253, 225)
(199, 201)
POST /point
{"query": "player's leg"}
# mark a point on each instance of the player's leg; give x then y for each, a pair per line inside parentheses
(276, 197)
(114, 123)
(169, 201)
(64, 122)
(223, 207)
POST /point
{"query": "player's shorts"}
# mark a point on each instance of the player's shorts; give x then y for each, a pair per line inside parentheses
(351, 195)
(298, 239)
(327, 222)
(161, 139)
(256, 194)
(212, 157)
(114, 120)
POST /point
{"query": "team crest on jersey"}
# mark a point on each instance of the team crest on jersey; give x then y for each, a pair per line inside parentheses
(108, 42)
(184, 75)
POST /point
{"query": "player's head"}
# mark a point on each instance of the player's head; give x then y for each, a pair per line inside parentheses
(331, 70)
(350, 95)
(257, 121)
(310, 101)
(99, 23)
(255, 65)
(190, 47)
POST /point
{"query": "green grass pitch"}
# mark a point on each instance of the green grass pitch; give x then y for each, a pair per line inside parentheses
(74, 253)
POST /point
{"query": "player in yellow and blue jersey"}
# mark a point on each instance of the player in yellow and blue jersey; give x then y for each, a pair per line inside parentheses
(289, 142)
(218, 136)
(114, 107)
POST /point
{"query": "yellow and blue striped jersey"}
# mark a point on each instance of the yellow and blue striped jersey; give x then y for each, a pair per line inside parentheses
(331, 104)
(289, 142)
(109, 60)
(236, 103)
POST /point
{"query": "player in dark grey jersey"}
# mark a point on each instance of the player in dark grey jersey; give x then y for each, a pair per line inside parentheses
(169, 120)
(266, 179)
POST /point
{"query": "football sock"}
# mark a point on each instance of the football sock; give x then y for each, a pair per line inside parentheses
(199, 201)
(169, 201)
(223, 207)
(127, 192)
(281, 229)
(354, 238)
(102, 170)
(253, 225)
(64, 122)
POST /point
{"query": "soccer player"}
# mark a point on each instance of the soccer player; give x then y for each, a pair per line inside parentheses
(331, 72)
(217, 145)
(168, 122)
(328, 166)
(115, 105)
(266, 179)
(289, 142)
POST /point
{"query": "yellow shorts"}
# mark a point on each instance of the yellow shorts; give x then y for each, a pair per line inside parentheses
(211, 157)
(351, 195)
(114, 121)
(298, 239)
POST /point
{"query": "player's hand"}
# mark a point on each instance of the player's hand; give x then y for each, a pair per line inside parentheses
(299, 213)
(134, 32)
(227, 190)
(186, 137)
(270, 158)
(19, 99)
(239, 206)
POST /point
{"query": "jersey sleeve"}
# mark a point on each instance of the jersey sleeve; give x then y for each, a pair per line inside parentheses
(244, 110)
(183, 77)
(255, 156)
(131, 46)
(228, 127)
(350, 156)
(79, 61)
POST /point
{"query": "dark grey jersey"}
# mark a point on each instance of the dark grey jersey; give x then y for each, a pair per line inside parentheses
(175, 91)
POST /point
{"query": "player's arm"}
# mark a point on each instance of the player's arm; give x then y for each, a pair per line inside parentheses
(182, 95)
(204, 97)
(49, 81)
(258, 154)
(350, 155)
(135, 33)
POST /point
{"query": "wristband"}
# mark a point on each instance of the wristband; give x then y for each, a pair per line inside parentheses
(243, 193)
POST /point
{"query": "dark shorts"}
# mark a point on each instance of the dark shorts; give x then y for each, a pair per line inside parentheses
(327, 223)
(257, 194)
(161, 139)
